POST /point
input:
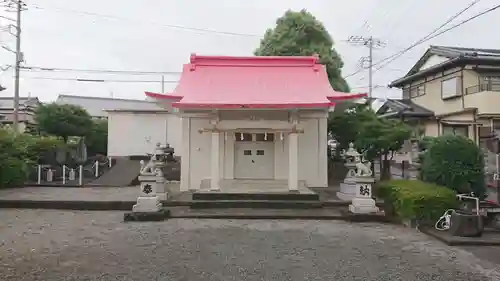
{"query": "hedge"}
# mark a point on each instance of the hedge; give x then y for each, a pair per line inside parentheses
(413, 199)
(19, 153)
(455, 162)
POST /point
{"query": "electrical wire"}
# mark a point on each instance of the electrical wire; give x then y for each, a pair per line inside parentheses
(172, 26)
(104, 71)
(431, 35)
(396, 56)
(96, 80)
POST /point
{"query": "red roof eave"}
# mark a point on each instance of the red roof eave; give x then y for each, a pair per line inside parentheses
(163, 96)
(253, 106)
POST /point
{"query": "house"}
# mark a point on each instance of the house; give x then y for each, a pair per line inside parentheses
(461, 86)
(26, 115)
(253, 119)
(127, 117)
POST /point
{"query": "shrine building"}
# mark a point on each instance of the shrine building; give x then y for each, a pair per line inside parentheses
(252, 119)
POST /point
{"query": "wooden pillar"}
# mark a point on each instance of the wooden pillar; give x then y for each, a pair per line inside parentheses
(215, 163)
(293, 162)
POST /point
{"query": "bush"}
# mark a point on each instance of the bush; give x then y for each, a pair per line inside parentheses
(13, 167)
(18, 153)
(455, 162)
(13, 172)
(412, 199)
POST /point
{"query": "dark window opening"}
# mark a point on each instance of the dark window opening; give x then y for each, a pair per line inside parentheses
(247, 152)
(243, 137)
(264, 137)
(260, 152)
(458, 130)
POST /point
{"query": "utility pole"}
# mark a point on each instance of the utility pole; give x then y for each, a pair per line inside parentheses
(371, 43)
(16, 6)
(19, 59)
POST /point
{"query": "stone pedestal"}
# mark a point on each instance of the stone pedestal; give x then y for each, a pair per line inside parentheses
(347, 189)
(161, 189)
(148, 201)
(363, 202)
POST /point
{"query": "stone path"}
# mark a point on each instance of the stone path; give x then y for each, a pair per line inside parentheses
(71, 193)
(62, 245)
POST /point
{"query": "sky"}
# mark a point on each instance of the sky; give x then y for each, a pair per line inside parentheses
(160, 35)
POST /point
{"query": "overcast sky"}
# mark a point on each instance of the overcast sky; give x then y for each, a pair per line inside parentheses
(135, 35)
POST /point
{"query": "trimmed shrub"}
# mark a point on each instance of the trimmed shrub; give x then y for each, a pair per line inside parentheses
(455, 162)
(18, 154)
(413, 199)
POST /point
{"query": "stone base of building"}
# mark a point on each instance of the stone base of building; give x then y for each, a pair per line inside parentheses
(363, 206)
(147, 204)
(347, 191)
(160, 215)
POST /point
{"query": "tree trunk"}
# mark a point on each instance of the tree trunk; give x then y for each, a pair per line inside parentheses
(385, 169)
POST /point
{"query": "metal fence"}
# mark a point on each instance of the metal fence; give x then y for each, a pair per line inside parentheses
(76, 175)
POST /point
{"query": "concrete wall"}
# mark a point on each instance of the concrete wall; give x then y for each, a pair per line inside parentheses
(136, 133)
(312, 146)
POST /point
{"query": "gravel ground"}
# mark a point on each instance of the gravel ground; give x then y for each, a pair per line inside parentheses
(63, 245)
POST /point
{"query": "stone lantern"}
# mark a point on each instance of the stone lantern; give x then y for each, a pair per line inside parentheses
(348, 187)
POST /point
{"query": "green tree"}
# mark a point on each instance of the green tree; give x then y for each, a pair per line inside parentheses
(301, 34)
(373, 136)
(455, 162)
(19, 153)
(97, 139)
(63, 120)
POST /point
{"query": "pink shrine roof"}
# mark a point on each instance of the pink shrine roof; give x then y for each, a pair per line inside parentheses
(254, 82)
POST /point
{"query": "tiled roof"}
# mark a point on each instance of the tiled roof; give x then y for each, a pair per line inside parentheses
(254, 82)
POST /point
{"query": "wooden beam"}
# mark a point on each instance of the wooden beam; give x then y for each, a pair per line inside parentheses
(252, 131)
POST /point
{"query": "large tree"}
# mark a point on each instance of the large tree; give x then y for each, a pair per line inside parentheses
(63, 120)
(375, 137)
(301, 34)
(97, 139)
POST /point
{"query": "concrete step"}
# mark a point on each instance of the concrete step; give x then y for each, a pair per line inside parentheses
(206, 196)
(338, 213)
(255, 204)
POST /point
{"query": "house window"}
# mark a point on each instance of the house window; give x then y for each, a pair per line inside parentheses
(490, 83)
(417, 91)
(457, 130)
(490, 79)
(406, 94)
(450, 88)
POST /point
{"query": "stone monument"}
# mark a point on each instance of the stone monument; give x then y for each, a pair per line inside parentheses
(363, 203)
(348, 187)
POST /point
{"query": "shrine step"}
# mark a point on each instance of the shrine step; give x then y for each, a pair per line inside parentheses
(216, 196)
(255, 204)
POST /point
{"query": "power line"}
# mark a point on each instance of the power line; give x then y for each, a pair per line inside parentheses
(396, 56)
(98, 80)
(172, 26)
(371, 43)
(430, 35)
(104, 71)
